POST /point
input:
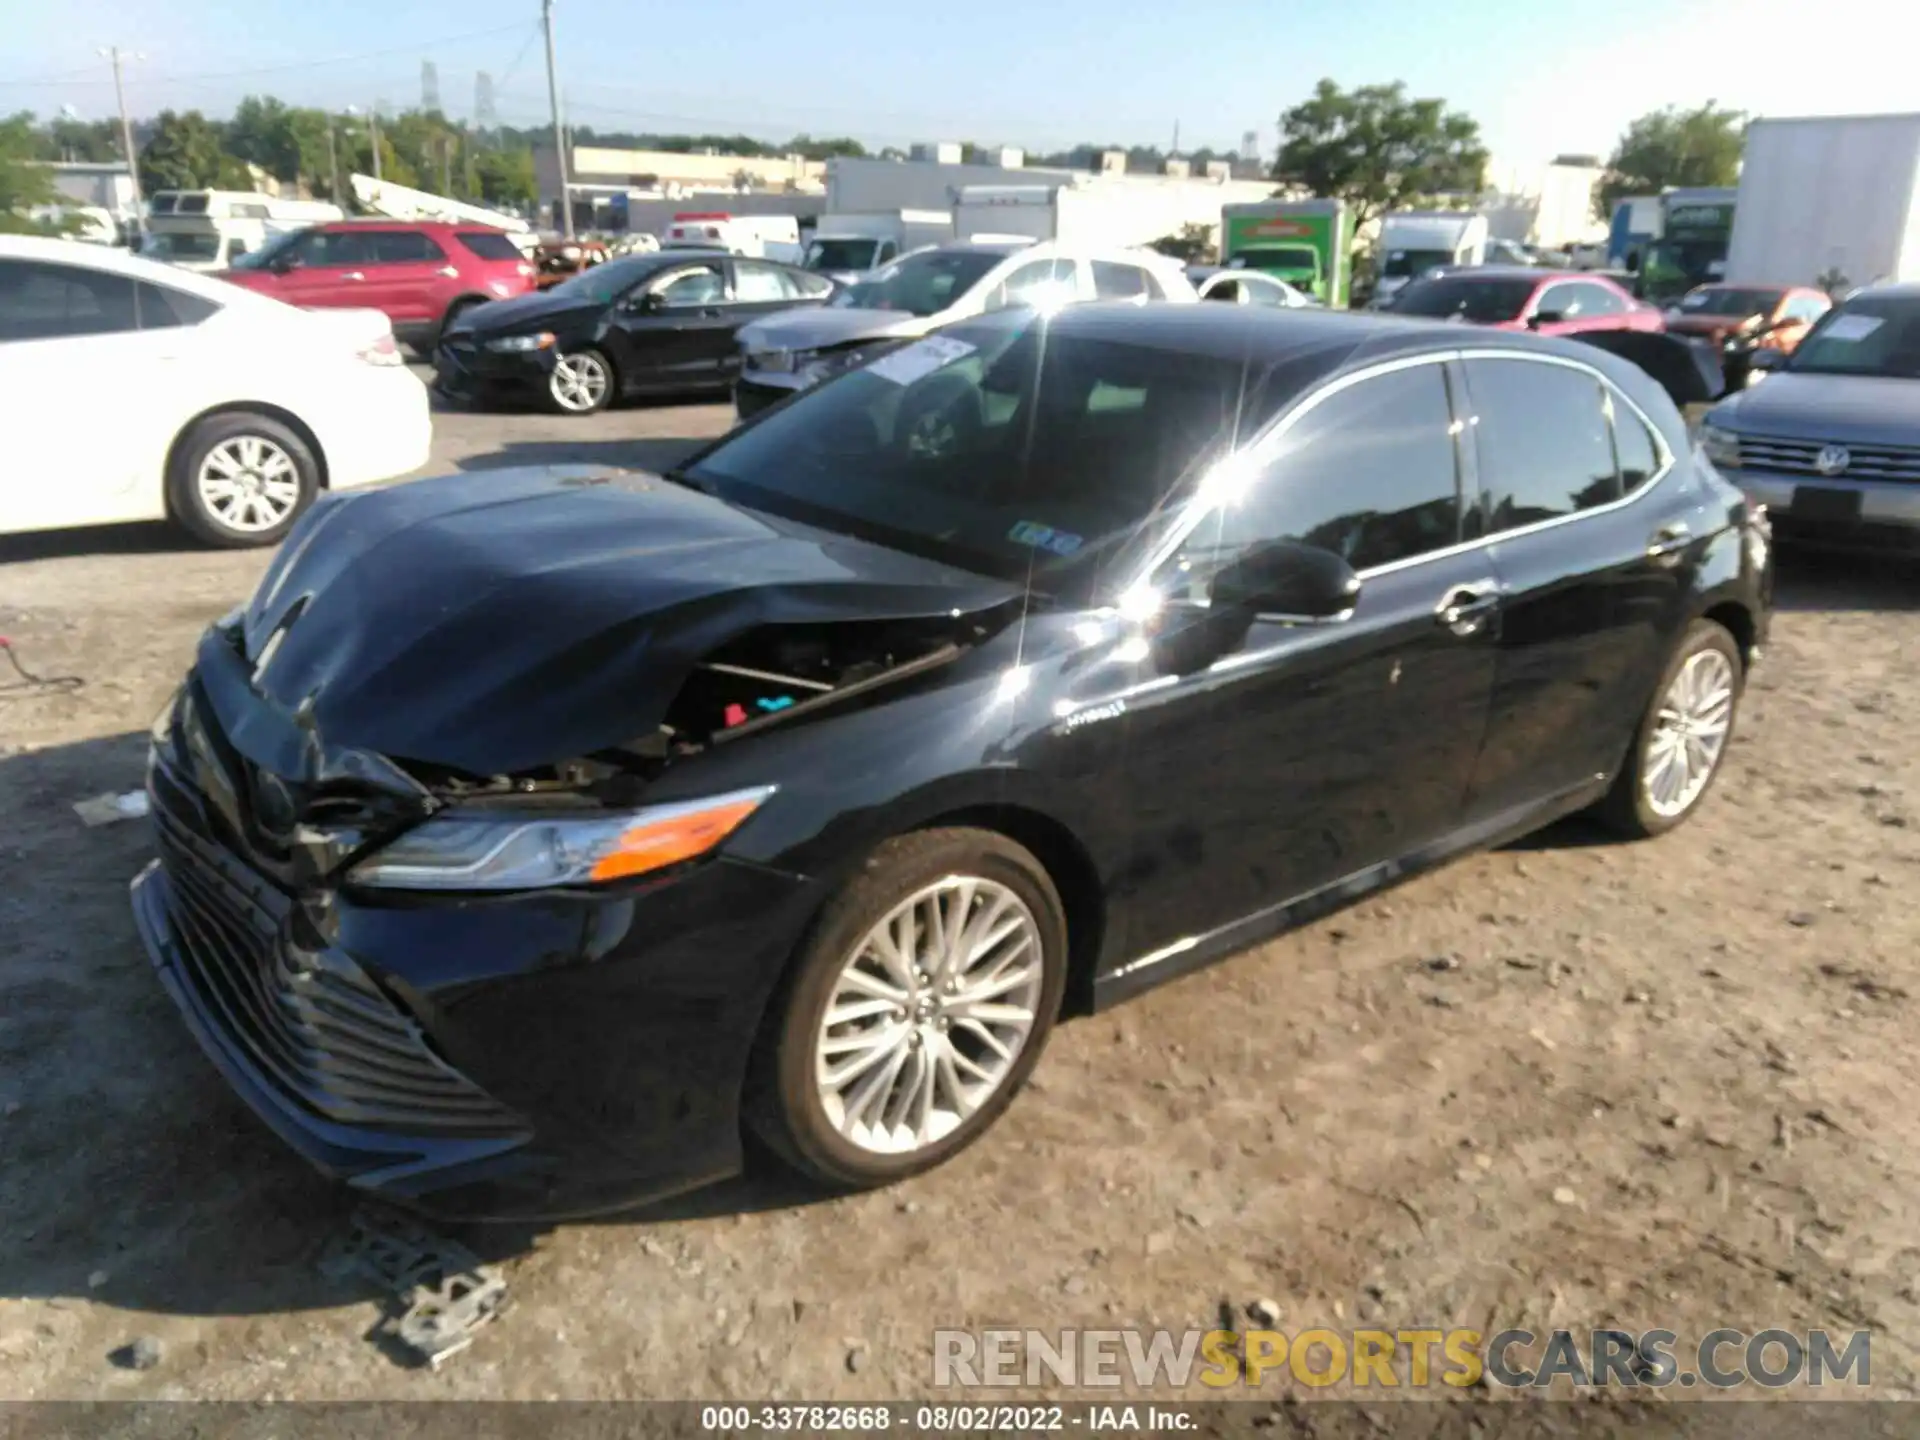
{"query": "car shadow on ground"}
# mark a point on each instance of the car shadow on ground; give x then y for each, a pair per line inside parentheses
(130, 1174)
(154, 537)
(644, 452)
(1832, 581)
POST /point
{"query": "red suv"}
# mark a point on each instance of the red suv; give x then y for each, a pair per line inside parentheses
(422, 273)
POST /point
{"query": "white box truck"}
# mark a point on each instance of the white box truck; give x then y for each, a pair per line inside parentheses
(847, 245)
(1413, 242)
(1828, 200)
(1089, 212)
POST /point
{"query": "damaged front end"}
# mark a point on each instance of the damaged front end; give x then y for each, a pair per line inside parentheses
(398, 788)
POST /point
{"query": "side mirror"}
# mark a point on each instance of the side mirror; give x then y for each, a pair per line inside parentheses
(649, 304)
(1545, 317)
(1289, 581)
(281, 264)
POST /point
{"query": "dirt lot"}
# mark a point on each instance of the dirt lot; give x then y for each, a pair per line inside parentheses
(1571, 1083)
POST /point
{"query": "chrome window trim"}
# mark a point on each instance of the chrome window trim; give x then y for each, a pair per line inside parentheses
(1255, 453)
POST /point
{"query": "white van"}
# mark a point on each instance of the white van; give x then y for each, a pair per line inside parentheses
(210, 229)
(848, 245)
(1412, 242)
(768, 237)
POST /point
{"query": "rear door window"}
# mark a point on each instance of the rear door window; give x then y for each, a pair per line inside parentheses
(1115, 281)
(403, 247)
(489, 247)
(1544, 438)
(757, 283)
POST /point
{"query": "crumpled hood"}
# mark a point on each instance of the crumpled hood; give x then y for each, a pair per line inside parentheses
(499, 621)
(1852, 409)
(812, 329)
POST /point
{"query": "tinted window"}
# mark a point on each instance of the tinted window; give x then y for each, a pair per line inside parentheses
(1113, 281)
(401, 247)
(331, 247)
(161, 306)
(1561, 300)
(50, 302)
(1000, 445)
(1634, 447)
(694, 285)
(490, 247)
(1544, 442)
(756, 283)
(1485, 302)
(1368, 473)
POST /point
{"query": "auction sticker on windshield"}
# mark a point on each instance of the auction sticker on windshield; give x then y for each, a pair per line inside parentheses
(920, 359)
(1852, 327)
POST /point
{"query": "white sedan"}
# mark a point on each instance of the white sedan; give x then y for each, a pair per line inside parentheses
(1234, 286)
(136, 391)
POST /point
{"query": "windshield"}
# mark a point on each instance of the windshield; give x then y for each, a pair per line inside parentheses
(840, 254)
(1403, 264)
(1871, 335)
(610, 279)
(1720, 300)
(999, 447)
(1484, 302)
(181, 247)
(1279, 257)
(263, 257)
(922, 284)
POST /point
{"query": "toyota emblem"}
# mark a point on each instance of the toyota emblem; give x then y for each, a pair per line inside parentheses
(1832, 459)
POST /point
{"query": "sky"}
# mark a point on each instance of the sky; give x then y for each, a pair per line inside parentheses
(1541, 79)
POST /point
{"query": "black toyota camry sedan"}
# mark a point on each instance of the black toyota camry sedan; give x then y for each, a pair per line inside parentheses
(530, 837)
(645, 324)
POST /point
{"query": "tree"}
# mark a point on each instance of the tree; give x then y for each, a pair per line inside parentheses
(188, 152)
(288, 143)
(1192, 244)
(24, 182)
(1673, 147)
(809, 148)
(1378, 150)
(505, 177)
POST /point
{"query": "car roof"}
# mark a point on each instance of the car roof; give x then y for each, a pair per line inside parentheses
(1890, 290)
(113, 259)
(360, 222)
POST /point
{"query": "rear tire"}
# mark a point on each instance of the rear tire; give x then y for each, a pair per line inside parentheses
(583, 382)
(1682, 739)
(240, 479)
(932, 1047)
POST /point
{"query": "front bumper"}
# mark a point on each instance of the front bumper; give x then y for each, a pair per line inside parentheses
(1836, 514)
(539, 1056)
(464, 371)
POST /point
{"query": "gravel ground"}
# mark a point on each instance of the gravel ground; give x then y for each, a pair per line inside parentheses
(1570, 1083)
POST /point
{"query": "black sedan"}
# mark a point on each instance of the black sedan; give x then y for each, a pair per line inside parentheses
(647, 324)
(802, 789)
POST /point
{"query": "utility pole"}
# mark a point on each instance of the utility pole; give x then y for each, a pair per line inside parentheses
(559, 130)
(333, 160)
(126, 134)
(446, 165)
(373, 131)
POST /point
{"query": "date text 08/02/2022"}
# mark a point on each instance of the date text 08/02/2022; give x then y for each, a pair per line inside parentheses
(942, 1418)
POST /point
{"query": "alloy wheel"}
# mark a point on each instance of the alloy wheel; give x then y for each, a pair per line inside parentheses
(1689, 734)
(929, 1015)
(579, 383)
(249, 484)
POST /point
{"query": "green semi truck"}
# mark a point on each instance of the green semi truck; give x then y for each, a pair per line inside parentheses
(1307, 243)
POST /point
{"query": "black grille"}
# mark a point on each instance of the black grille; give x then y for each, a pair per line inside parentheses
(315, 1026)
(1800, 457)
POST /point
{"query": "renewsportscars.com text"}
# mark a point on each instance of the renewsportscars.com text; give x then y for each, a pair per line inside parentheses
(1413, 1358)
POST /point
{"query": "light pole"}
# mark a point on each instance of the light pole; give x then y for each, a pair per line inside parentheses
(113, 53)
(559, 130)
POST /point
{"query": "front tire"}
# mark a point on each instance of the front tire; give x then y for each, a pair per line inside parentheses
(240, 479)
(914, 1013)
(583, 382)
(1682, 738)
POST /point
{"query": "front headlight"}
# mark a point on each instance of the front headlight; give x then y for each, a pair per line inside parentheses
(773, 362)
(521, 344)
(1722, 447)
(505, 850)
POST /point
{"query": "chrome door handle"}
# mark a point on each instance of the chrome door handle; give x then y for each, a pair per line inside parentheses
(1669, 539)
(447, 272)
(1465, 608)
(352, 275)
